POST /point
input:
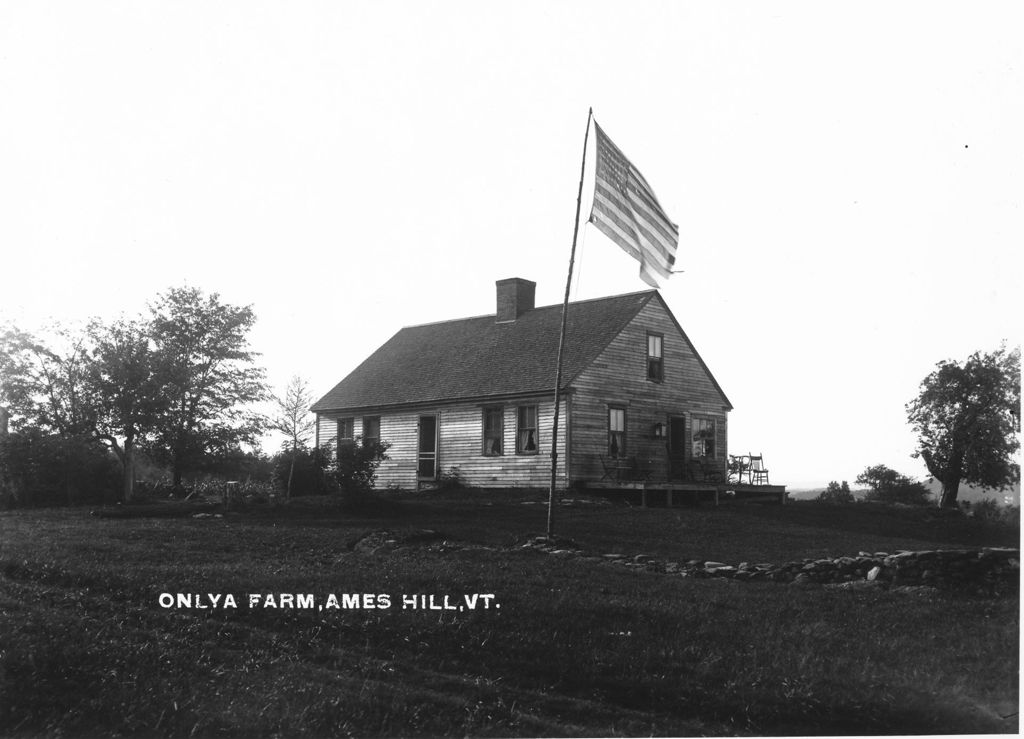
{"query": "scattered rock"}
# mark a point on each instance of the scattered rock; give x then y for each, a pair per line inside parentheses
(856, 585)
(726, 570)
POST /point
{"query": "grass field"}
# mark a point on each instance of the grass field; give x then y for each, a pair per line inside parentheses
(577, 647)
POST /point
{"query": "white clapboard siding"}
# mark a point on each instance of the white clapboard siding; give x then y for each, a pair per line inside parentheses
(619, 377)
(460, 445)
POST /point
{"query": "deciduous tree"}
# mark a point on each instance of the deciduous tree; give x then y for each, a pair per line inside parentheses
(213, 380)
(126, 385)
(889, 486)
(836, 493)
(967, 420)
(42, 381)
(294, 420)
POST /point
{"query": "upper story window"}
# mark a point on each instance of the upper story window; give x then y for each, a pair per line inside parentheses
(616, 432)
(371, 429)
(345, 428)
(704, 437)
(655, 357)
(494, 431)
(526, 430)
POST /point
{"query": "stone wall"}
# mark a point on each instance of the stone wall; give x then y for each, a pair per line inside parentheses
(988, 570)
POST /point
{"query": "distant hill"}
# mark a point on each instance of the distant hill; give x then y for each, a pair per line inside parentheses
(972, 493)
(967, 492)
(812, 493)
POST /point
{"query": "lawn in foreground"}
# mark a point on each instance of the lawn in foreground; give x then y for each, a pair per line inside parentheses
(576, 648)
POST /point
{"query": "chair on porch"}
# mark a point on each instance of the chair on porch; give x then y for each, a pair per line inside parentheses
(758, 473)
(739, 467)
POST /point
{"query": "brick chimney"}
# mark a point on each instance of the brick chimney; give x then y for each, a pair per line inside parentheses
(515, 297)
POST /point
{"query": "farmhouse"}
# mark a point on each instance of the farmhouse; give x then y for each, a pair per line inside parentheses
(638, 404)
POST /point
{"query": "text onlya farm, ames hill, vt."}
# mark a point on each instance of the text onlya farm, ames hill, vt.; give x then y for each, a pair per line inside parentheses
(331, 601)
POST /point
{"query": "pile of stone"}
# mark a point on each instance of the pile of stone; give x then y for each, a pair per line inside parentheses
(385, 540)
(988, 570)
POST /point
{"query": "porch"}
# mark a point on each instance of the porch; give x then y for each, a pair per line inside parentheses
(672, 492)
(693, 479)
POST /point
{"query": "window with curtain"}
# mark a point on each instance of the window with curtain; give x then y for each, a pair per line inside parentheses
(494, 431)
(616, 432)
(526, 430)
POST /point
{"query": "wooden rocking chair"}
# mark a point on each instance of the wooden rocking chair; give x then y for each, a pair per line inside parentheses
(758, 473)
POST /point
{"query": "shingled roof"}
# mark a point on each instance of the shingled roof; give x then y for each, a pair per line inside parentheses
(477, 358)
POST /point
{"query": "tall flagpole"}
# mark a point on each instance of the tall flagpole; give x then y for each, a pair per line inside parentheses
(561, 335)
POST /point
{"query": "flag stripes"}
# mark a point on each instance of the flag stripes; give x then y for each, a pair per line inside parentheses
(626, 210)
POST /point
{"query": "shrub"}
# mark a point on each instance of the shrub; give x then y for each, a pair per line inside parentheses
(451, 479)
(988, 509)
(311, 475)
(889, 486)
(39, 469)
(355, 467)
(836, 493)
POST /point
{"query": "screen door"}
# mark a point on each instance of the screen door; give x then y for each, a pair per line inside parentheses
(427, 459)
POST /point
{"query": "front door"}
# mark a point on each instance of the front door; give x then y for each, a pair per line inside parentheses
(426, 467)
(676, 447)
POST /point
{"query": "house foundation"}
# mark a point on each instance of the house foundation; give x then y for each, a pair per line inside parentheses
(674, 492)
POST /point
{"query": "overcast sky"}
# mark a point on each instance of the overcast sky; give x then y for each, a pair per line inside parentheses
(847, 180)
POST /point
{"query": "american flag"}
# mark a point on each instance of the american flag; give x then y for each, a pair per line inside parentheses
(626, 211)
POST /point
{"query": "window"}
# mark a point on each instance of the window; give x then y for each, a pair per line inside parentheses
(655, 360)
(494, 431)
(703, 437)
(345, 433)
(526, 430)
(616, 432)
(371, 429)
